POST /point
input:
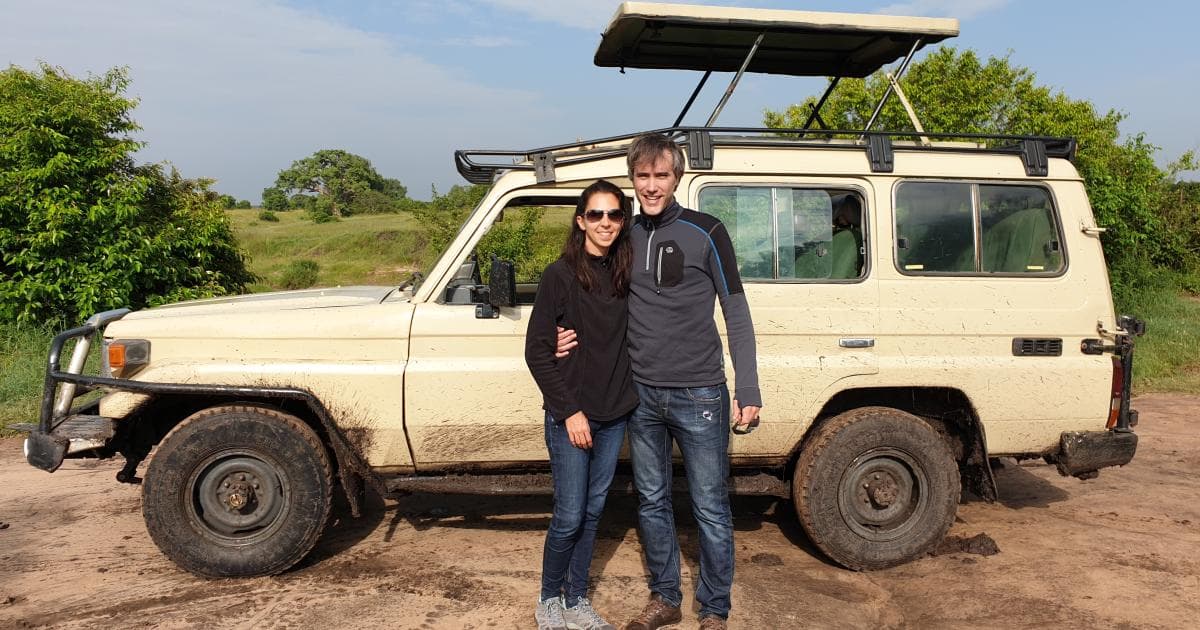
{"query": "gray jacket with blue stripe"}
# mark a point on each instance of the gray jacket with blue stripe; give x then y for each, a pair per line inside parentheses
(682, 260)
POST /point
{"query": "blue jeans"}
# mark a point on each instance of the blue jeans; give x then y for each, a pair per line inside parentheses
(697, 419)
(581, 481)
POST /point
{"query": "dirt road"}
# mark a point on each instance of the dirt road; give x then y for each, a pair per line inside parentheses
(1120, 551)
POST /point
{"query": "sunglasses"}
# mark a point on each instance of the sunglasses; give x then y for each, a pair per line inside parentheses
(615, 215)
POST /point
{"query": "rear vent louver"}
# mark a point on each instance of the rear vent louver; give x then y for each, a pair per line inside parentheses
(1037, 347)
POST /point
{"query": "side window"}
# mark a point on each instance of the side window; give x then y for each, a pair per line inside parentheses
(791, 233)
(746, 213)
(951, 227)
(935, 230)
(1018, 230)
(530, 232)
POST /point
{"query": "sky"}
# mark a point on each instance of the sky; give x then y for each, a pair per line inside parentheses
(236, 90)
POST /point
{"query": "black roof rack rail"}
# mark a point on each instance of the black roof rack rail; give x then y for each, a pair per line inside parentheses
(481, 166)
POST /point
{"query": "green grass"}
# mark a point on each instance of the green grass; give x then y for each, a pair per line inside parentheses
(1166, 359)
(22, 369)
(382, 249)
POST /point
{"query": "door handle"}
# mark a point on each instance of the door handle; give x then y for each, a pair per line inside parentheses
(857, 342)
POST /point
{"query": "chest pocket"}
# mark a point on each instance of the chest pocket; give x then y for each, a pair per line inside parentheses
(668, 264)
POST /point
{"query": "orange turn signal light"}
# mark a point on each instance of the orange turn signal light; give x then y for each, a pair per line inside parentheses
(116, 356)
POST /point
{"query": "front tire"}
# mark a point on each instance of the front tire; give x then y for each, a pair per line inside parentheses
(876, 487)
(237, 491)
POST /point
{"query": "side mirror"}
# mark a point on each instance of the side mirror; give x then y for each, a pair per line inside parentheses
(501, 290)
(503, 283)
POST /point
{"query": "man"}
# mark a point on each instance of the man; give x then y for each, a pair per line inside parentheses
(683, 259)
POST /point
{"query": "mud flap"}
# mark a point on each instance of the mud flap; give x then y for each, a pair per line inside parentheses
(45, 451)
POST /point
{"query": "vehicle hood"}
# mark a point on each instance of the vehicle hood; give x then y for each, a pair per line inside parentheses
(270, 302)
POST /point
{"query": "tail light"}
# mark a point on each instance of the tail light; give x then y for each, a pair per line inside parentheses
(1118, 390)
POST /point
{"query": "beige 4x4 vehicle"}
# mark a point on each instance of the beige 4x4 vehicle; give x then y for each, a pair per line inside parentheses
(922, 304)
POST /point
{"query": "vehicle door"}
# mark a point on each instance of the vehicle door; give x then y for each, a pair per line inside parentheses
(803, 252)
(469, 397)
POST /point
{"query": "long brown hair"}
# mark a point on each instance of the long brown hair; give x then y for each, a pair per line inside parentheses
(620, 254)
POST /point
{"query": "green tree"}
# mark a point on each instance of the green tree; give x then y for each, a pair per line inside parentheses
(301, 201)
(227, 202)
(337, 177)
(244, 204)
(956, 92)
(274, 199)
(394, 189)
(82, 226)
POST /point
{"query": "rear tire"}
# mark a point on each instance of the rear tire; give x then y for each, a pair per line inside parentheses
(237, 491)
(876, 487)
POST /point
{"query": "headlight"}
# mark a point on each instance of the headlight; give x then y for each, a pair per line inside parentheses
(124, 357)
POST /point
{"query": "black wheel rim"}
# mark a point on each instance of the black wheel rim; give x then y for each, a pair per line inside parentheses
(883, 494)
(238, 497)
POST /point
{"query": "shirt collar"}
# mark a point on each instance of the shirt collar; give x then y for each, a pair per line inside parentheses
(667, 216)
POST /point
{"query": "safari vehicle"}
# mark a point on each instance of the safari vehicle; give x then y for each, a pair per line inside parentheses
(958, 311)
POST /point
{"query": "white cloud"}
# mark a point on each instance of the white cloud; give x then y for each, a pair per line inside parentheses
(961, 9)
(483, 41)
(238, 89)
(593, 15)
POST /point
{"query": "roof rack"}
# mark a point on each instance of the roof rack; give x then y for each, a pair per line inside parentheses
(481, 166)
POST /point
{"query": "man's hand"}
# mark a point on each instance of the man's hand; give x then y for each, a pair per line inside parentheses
(745, 419)
(566, 341)
(579, 431)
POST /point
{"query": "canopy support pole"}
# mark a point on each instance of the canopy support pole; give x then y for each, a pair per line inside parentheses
(892, 86)
(737, 77)
(815, 115)
(908, 108)
(695, 93)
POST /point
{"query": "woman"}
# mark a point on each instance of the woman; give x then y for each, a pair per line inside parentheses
(588, 396)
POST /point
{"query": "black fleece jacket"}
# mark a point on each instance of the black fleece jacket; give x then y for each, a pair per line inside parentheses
(595, 377)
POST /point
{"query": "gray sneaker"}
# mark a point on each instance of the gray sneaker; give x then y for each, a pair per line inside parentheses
(549, 614)
(582, 616)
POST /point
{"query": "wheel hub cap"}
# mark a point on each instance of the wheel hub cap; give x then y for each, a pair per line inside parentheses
(883, 493)
(237, 495)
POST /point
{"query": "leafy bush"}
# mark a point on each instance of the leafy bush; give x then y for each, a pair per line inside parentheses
(274, 199)
(300, 274)
(373, 202)
(267, 215)
(301, 201)
(244, 204)
(82, 227)
(444, 214)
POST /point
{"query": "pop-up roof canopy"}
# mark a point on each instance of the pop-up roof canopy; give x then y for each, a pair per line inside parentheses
(798, 43)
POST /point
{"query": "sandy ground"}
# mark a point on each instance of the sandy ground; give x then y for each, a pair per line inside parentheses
(1119, 551)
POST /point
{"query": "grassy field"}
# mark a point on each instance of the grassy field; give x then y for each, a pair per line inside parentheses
(379, 249)
(386, 249)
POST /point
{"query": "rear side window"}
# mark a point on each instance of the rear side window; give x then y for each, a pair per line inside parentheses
(970, 228)
(784, 233)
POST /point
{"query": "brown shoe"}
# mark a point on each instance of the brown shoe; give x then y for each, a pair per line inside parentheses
(713, 622)
(656, 614)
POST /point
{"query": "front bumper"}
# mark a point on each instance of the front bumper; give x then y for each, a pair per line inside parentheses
(60, 430)
(1082, 453)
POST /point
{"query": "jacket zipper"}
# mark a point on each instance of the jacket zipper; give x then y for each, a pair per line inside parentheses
(649, 246)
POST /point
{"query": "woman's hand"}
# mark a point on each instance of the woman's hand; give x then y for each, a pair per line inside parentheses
(579, 431)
